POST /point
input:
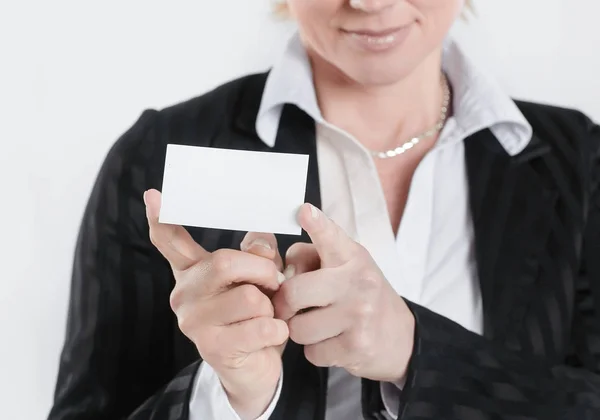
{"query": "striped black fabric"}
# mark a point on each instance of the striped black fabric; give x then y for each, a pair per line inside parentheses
(537, 233)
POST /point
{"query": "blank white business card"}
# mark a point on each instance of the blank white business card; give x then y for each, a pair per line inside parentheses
(233, 189)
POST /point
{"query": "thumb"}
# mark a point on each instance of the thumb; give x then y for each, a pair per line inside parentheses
(263, 245)
(333, 245)
(173, 241)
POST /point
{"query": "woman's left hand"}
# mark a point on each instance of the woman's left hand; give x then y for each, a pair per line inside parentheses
(356, 320)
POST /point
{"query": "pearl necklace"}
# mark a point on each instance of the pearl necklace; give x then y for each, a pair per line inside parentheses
(432, 131)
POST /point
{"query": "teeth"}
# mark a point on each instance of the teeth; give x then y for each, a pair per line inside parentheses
(376, 40)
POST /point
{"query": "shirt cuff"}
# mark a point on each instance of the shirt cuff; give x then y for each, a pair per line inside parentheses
(390, 395)
(209, 399)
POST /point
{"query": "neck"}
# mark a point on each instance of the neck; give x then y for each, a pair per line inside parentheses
(381, 116)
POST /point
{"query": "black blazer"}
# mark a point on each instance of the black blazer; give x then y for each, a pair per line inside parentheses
(537, 235)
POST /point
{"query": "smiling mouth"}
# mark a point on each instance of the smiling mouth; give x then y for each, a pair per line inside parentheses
(378, 40)
(374, 39)
(374, 33)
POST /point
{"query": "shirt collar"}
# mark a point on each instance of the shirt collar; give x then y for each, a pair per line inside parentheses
(478, 100)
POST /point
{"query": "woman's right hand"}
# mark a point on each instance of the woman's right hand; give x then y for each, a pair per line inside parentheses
(222, 304)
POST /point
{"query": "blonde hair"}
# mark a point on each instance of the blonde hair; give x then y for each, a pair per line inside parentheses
(280, 7)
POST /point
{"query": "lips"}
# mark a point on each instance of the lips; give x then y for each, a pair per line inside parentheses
(374, 39)
(373, 33)
(377, 40)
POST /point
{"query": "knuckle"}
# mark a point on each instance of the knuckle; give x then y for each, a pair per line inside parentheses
(369, 279)
(221, 261)
(185, 323)
(265, 329)
(258, 303)
(264, 307)
(196, 272)
(363, 310)
(251, 296)
(176, 298)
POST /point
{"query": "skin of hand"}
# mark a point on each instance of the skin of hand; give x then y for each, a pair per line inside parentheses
(339, 305)
(222, 302)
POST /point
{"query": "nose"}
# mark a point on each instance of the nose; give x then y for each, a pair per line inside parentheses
(371, 6)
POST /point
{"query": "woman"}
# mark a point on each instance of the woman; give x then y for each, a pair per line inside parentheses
(452, 270)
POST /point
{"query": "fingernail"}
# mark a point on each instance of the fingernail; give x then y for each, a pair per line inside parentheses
(290, 271)
(244, 246)
(288, 253)
(314, 212)
(260, 242)
(145, 199)
(280, 277)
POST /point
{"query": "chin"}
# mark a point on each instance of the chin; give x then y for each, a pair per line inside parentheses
(376, 75)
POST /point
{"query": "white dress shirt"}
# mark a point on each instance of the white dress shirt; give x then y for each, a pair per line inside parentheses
(430, 261)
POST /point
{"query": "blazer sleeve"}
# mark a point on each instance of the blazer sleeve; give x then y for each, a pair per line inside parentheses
(455, 373)
(117, 357)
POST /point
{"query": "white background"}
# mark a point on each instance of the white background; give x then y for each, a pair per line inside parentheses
(75, 74)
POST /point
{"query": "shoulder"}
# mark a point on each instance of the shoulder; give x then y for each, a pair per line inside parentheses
(202, 115)
(569, 132)
(219, 105)
(573, 140)
(559, 125)
(195, 121)
(139, 152)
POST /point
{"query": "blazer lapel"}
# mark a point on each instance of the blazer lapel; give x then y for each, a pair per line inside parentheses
(297, 135)
(512, 214)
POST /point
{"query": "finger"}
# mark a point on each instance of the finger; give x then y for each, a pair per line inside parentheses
(328, 353)
(238, 304)
(301, 258)
(317, 325)
(227, 268)
(263, 245)
(252, 335)
(173, 242)
(309, 290)
(333, 245)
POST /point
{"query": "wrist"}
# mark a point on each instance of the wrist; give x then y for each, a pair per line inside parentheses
(405, 348)
(252, 401)
(251, 408)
